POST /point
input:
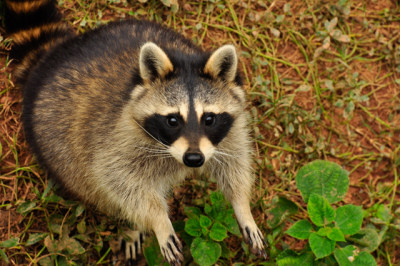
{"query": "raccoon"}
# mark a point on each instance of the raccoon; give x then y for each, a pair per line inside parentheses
(123, 113)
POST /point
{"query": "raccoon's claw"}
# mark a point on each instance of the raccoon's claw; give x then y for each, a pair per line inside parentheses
(172, 251)
(254, 238)
(132, 248)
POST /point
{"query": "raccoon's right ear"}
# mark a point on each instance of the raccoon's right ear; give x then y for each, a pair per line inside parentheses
(223, 63)
(153, 62)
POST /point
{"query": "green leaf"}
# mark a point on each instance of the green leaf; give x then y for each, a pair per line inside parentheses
(192, 227)
(51, 245)
(71, 246)
(336, 234)
(349, 109)
(383, 213)
(79, 210)
(81, 227)
(349, 219)
(207, 209)
(9, 243)
(339, 36)
(282, 208)
(35, 237)
(55, 222)
(324, 231)
(217, 198)
(50, 185)
(205, 252)
(46, 261)
(364, 259)
(53, 198)
(219, 207)
(344, 256)
(152, 253)
(205, 222)
(324, 178)
(349, 256)
(26, 207)
(192, 212)
(218, 232)
(286, 253)
(300, 230)
(320, 211)
(321, 246)
(230, 223)
(62, 261)
(3, 255)
(367, 239)
(331, 24)
(204, 231)
(290, 259)
(226, 252)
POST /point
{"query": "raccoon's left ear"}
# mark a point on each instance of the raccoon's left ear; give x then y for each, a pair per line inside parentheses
(153, 62)
(223, 63)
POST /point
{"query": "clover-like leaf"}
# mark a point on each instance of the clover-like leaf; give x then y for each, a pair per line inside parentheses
(321, 246)
(349, 219)
(192, 227)
(35, 237)
(350, 256)
(291, 258)
(366, 239)
(336, 234)
(218, 232)
(205, 252)
(345, 256)
(205, 222)
(324, 178)
(192, 212)
(26, 207)
(281, 209)
(9, 243)
(300, 230)
(320, 211)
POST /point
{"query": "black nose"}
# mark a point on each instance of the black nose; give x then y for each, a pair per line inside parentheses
(193, 159)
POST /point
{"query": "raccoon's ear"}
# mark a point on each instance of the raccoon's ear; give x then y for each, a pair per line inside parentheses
(153, 62)
(223, 63)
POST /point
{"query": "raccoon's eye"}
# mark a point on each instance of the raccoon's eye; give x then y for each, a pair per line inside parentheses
(172, 121)
(209, 120)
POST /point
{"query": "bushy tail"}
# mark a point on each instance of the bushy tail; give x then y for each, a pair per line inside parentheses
(35, 26)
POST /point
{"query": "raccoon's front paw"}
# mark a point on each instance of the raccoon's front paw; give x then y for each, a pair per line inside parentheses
(254, 238)
(172, 250)
(132, 248)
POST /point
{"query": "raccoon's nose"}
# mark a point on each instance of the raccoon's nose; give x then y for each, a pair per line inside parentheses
(193, 159)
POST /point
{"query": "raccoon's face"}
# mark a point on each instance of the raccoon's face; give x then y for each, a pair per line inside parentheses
(192, 112)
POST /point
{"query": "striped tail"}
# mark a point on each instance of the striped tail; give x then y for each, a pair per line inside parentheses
(35, 26)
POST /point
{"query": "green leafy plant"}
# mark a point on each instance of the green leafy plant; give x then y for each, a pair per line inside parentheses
(203, 232)
(333, 234)
(210, 228)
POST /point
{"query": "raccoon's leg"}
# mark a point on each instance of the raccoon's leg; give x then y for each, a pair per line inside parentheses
(132, 246)
(251, 234)
(236, 185)
(150, 212)
(170, 245)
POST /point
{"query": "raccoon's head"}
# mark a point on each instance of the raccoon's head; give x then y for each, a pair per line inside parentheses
(188, 103)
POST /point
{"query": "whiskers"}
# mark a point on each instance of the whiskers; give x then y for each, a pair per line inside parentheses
(159, 142)
(152, 151)
(160, 150)
(225, 153)
(224, 156)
